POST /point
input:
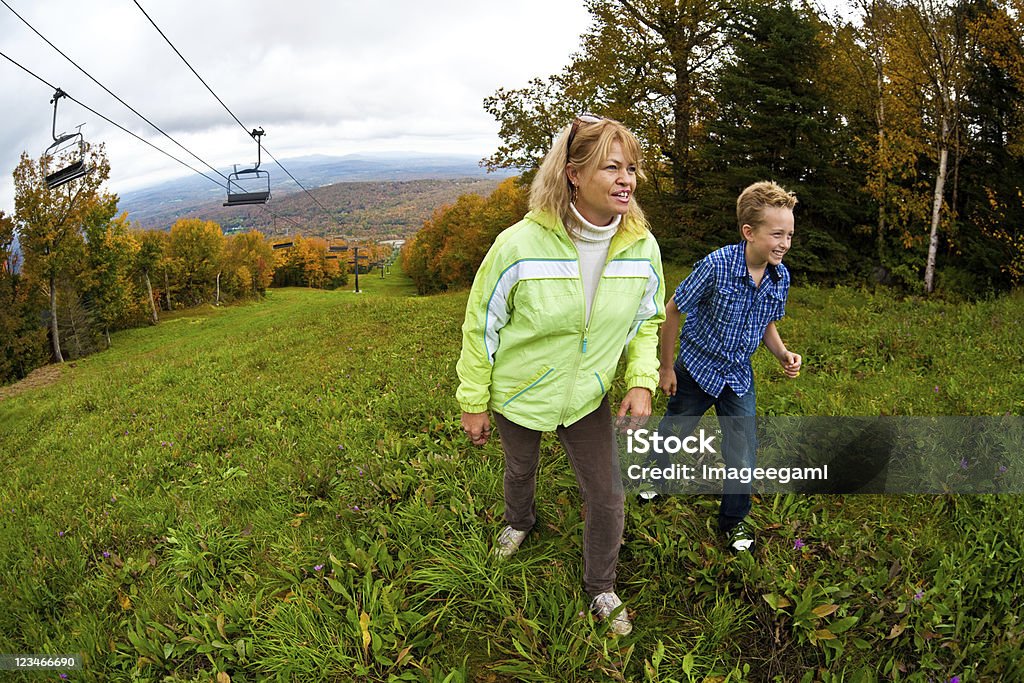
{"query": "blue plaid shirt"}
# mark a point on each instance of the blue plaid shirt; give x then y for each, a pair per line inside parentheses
(726, 316)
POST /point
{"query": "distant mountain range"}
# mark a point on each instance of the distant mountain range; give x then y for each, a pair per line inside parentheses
(407, 185)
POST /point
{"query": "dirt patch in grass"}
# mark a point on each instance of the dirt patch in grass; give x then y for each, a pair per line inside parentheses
(40, 377)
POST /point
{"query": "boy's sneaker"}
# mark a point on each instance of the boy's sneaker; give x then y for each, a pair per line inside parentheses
(508, 542)
(604, 605)
(740, 539)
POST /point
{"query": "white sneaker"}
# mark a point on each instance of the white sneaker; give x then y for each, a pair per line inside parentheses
(508, 542)
(740, 539)
(646, 496)
(608, 605)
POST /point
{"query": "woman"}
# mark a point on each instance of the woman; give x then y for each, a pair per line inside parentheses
(557, 299)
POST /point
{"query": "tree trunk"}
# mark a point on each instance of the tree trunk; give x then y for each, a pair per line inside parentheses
(54, 334)
(681, 138)
(73, 338)
(217, 303)
(880, 120)
(167, 290)
(152, 302)
(933, 243)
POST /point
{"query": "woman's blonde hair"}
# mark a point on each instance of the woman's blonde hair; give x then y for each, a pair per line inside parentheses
(551, 191)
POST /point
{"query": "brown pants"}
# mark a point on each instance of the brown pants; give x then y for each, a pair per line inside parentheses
(590, 445)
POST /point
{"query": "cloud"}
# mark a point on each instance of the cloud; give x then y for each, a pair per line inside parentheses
(319, 76)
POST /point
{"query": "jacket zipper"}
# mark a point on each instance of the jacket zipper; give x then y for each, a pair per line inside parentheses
(586, 323)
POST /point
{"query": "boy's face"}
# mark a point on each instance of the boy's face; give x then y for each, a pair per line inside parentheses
(771, 239)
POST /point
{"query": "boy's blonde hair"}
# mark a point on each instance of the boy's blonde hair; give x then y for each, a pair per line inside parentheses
(756, 198)
(551, 190)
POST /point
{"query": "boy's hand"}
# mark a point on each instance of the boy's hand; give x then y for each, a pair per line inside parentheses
(791, 363)
(667, 380)
(636, 404)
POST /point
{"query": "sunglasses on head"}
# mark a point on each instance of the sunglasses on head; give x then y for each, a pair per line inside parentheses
(586, 117)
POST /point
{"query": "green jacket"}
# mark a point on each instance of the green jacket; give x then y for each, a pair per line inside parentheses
(526, 350)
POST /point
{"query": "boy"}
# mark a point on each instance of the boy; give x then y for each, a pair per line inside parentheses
(731, 300)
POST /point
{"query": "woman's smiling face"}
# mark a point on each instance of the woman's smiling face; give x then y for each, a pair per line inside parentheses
(606, 191)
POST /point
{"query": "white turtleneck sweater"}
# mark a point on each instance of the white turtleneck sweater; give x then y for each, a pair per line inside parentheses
(592, 242)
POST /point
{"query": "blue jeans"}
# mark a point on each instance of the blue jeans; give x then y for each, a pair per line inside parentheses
(739, 435)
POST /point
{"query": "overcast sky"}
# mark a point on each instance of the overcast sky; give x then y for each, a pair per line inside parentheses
(331, 77)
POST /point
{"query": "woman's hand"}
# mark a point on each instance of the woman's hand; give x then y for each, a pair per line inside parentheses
(477, 427)
(636, 404)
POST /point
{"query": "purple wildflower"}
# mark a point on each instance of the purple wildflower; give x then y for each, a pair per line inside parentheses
(963, 463)
(61, 534)
(954, 679)
(1002, 469)
(106, 554)
(936, 388)
(918, 595)
(318, 568)
(799, 543)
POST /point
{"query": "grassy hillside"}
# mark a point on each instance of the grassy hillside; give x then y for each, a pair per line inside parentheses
(281, 490)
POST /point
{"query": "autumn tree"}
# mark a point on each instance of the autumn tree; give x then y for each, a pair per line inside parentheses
(151, 252)
(647, 63)
(249, 264)
(934, 61)
(52, 223)
(109, 287)
(448, 249)
(22, 338)
(194, 254)
(307, 263)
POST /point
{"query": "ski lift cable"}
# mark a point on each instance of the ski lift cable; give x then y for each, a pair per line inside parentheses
(168, 40)
(284, 218)
(231, 113)
(108, 91)
(113, 123)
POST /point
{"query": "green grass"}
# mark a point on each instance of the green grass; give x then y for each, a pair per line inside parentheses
(281, 491)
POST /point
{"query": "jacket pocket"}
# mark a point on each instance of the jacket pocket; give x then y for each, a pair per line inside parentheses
(532, 383)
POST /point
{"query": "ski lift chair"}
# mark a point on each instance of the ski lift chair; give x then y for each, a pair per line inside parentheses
(250, 185)
(68, 148)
